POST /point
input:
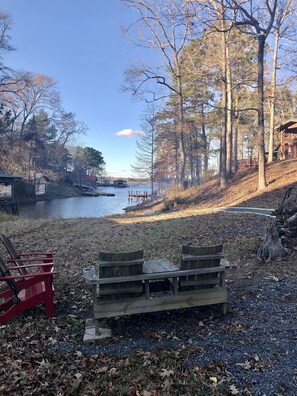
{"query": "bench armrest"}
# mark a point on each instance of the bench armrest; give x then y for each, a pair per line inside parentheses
(157, 275)
(225, 263)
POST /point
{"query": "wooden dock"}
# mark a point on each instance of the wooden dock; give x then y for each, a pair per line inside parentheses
(139, 195)
(97, 194)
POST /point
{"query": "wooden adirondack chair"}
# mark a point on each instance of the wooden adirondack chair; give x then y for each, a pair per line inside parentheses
(35, 288)
(18, 258)
(200, 257)
(203, 257)
(120, 264)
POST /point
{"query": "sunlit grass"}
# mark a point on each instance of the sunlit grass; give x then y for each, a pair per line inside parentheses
(163, 216)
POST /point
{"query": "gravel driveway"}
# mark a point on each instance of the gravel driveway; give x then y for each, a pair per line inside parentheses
(256, 340)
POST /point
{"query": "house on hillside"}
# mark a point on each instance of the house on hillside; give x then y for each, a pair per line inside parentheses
(288, 140)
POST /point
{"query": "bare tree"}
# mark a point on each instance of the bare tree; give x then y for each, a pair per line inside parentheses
(146, 148)
(282, 29)
(215, 20)
(5, 46)
(29, 93)
(165, 25)
(259, 17)
(68, 127)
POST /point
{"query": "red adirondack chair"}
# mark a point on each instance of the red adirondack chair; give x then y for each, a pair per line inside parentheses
(35, 288)
(18, 258)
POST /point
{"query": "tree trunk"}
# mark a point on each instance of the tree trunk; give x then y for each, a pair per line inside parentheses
(235, 137)
(204, 140)
(223, 152)
(261, 137)
(229, 107)
(272, 102)
(223, 141)
(183, 155)
(176, 154)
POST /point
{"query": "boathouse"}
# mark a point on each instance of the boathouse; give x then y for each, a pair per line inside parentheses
(89, 180)
(8, 200)
(120, 183)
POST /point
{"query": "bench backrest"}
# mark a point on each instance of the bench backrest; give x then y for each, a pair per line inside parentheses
(12, 284)
(12, 251)
(14, 254)
(117, 265)
(200, 257)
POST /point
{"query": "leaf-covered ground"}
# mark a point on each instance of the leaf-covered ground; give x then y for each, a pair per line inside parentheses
(250, 351)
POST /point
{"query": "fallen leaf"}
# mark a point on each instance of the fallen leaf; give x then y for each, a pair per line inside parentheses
(246, 365)
(166, 373)
(233, 390)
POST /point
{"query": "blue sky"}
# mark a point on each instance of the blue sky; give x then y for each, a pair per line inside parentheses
(80, 45)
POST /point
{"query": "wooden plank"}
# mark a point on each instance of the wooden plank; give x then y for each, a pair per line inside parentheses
(189, 257)
(203, 282)
(106, 264)
(202, 250)
(158, 275)
(185, 300)
(147, 289)
(120, 256)
(131, 289)
(160, 265)
(175, 286)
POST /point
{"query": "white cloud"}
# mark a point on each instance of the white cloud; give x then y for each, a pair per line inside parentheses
(128, 133)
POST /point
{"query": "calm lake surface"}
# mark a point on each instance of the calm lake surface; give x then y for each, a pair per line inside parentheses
(68, 208)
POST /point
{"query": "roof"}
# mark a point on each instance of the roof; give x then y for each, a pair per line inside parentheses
(7, 176)
(289, 127)
(89, 178)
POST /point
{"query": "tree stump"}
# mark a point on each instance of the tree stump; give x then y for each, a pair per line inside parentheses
(272, 246)
(282, 235)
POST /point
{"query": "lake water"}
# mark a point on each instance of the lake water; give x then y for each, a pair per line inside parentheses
(83, 206)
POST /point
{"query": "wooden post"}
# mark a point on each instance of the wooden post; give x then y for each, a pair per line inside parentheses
(147, 289)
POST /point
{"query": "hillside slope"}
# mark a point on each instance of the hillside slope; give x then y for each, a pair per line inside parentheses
(242, 190)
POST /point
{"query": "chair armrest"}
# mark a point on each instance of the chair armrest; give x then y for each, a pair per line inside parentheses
(36, 253)
(28, 260)
(31, 266)
(28, 276)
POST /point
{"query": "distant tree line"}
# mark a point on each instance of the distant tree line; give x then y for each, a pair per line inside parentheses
(36, 133)
(226, 78)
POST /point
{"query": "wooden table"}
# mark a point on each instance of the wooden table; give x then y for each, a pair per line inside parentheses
(158, 266)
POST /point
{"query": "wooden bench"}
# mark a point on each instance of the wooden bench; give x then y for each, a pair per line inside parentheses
(118, 294)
